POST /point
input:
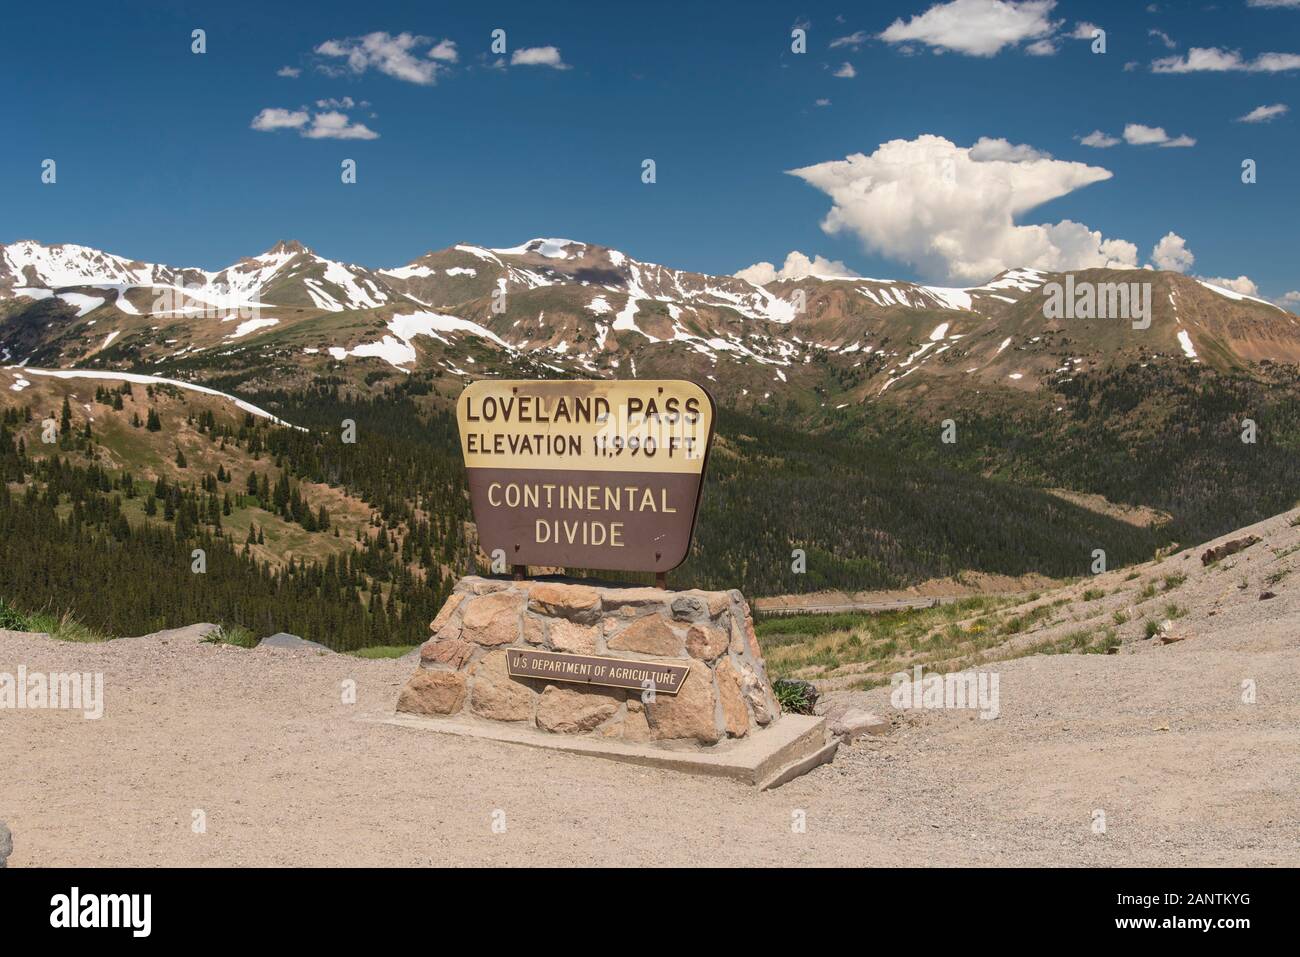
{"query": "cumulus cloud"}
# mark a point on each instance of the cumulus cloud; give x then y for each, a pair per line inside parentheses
(538, 56)
(1242, 284)
(1135, 134)
(292, 72)
(1083, 30)
(987, 148)
(1041, 48)
(444, 50)
(1171, 253)
(1098, 140)
(274, 118)
(823, 102)
(928, 203)
(333, 125)
(1215, 60)
(976, 27)
(1262, 114)
(846, 71)
(797, 266)
(327, 125)
(396, 56)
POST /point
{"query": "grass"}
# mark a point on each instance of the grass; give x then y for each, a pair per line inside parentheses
(382, 651)
(63, 627)
(236, 635)
(793, 696)
(1173, 581)
(1092, 594)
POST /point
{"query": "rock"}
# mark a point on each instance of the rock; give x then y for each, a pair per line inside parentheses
(492, 619)
(690, 608)
(186, 633)
(687, 714)
(282, 639)
(450, 651)
(573, 638)
(635, 726)
(1212, 555)
(718, 602)
(570, 711)
(6, 844)
(448, 609)
(433, 692)
(651, 635)
(575, 602)
(1168, 638)
(806, 688)
(1266, 595)
(705, 642)
(855, 722)
(487, 586)
(534, 629)
(751, 686)
(494, 694)
(735, 716)
(628, 601)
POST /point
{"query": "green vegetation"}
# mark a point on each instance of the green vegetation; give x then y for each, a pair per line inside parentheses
(793, 696)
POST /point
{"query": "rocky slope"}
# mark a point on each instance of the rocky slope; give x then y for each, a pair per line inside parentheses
(554, 306)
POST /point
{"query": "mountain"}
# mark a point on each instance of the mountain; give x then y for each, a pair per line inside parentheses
(556, 306)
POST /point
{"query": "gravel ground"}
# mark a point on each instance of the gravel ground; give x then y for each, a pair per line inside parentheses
(1156, 737)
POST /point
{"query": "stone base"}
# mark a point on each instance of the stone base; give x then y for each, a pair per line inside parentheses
(767, 758)
(463, 670)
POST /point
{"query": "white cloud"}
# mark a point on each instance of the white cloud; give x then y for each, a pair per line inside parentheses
(928, 203)
(444, 50)
(797, 266)
(1041, 48)
(1242, 284)
(987, 149)
(329, 125)
(1262, 114)
(976, 27)
(346, 103)
(823, 102)
(1290, 300)
(1171, 253)
(1215, 60)
(1098, 140)
(274, 118)
(1273, 3)
(1135, 134)
(333, 125)
(853, 40)
(846, 72)
(391, 55)
(1083, 30)
(538, 56)
(292, 72)
(1163, 37)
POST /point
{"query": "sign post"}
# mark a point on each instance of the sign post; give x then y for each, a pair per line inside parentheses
(599, 474)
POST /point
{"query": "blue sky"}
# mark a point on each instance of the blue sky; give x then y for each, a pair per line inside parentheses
(158, 158)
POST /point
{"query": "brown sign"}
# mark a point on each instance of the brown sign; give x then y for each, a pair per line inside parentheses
(586, 474)
(591, 670)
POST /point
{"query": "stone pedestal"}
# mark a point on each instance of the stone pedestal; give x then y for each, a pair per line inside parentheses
(464, 676)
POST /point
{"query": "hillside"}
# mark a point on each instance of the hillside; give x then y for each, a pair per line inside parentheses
(894, 432)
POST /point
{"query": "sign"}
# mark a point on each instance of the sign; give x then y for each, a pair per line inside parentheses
(592, 670)
(587, 473)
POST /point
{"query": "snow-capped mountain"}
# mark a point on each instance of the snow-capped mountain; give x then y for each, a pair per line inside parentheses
(568, 307)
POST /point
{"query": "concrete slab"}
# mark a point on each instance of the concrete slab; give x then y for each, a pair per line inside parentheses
(768, 758)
